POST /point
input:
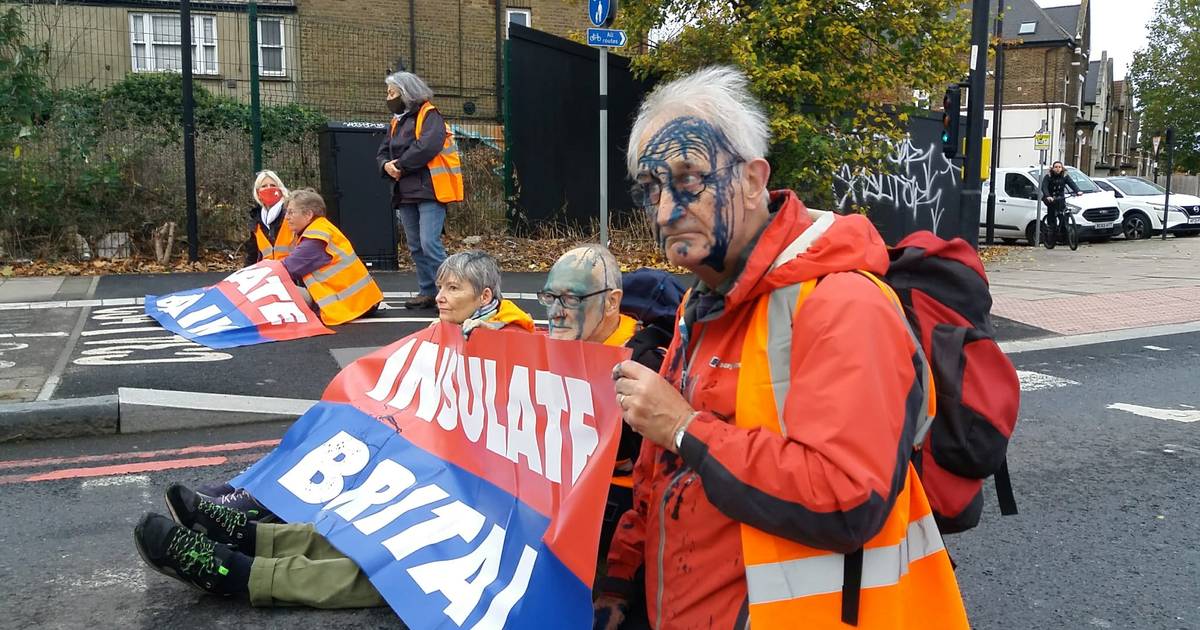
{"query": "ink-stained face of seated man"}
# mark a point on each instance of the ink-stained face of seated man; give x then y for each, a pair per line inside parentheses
(577, 273)
(688, 175)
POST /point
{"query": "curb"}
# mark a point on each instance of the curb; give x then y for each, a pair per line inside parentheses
(48, 419)
(135, 410)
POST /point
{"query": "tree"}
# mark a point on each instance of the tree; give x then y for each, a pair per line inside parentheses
(1166, 79)
(835, 75)
(22, 91)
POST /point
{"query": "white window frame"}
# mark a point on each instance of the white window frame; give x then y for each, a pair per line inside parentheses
(508, 13)
(282, 72)
(145, 37)
(1027, 28)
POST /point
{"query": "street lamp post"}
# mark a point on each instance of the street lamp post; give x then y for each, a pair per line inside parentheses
(1170, 169)
(997, 109)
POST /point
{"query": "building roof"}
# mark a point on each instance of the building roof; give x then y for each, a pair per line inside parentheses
(1046, 27)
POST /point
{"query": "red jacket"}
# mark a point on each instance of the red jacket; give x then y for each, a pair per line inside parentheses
(829, 483)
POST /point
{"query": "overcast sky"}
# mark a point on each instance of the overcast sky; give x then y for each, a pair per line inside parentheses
(1118, 26)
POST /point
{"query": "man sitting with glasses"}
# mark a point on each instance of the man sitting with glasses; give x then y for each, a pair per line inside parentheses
(583, 297)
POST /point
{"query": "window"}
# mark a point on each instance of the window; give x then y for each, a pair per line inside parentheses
(154, 41)
(1027, 28)
(524, 17)
(1017, 186)
(921, 99)
(270, 48)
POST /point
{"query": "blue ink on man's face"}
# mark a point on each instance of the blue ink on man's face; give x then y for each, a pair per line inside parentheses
(694, 143)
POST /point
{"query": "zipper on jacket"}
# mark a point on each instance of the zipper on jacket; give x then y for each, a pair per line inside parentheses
(662, 537)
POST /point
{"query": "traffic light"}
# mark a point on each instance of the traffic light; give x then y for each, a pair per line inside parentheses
(951, 104)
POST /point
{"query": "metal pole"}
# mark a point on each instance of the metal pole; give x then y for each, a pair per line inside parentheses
(189, 130)
(604, 146)
(1170, 169)
(972, 165)
(255, 106)
(1037, 222)
(997, 109)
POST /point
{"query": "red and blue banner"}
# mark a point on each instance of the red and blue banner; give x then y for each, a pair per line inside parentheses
(467, 479)
(255, 304)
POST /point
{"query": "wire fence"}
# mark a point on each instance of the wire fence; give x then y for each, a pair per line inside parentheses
(111, 74)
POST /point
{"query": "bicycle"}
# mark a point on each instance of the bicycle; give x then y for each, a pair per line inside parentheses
(1068, 230)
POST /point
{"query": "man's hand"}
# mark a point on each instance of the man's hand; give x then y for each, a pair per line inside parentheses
(651, 406)
(391, 169)
(608, 612)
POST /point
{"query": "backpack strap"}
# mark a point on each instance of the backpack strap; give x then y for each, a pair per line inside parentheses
(1004, 490)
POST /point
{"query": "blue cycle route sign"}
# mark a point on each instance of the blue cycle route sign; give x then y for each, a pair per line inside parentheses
(606, 37)
(601, 12)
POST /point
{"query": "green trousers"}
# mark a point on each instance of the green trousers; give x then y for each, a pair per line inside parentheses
(296, 566)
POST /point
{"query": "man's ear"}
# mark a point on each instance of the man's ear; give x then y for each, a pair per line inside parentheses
(757, 174)
(612, 301)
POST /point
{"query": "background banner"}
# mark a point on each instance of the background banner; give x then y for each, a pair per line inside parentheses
(255, 304)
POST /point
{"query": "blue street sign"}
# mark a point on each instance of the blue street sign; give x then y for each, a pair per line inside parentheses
(600, 12)
(606, 37)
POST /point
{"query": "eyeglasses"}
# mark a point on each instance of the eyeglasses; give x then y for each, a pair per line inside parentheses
(566, 299)
(686, 187)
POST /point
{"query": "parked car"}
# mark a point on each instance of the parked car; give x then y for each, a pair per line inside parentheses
(1018, 199)
(1141, 202)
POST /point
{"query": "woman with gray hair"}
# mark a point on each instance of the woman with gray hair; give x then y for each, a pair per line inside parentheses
(469, 294)
(420, 157)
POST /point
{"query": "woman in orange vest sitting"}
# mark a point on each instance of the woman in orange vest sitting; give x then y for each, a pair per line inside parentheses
(324, 264)
(270, 236)
(469, 294)
(420, 157)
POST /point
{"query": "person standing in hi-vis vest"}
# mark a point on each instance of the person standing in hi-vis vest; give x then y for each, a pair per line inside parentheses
(774, 488)
(420, 156)
(270, 236)
(324, 264)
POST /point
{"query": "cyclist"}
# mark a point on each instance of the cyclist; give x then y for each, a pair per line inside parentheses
(1054, 185)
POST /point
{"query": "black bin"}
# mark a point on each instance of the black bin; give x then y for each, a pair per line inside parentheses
(358, 199)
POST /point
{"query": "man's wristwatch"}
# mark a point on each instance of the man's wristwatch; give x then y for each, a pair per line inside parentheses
(679, 433)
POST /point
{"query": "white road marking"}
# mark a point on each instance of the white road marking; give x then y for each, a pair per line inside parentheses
(112, 331)
(212, 402)
(1034, 381)
(1071, 341)
(141, 481)
(1178, 415)
(32, 335)
(1157, 348)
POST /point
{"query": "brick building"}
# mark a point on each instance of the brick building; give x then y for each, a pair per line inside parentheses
(1098, 108)
(331, 54)
(1046, 65)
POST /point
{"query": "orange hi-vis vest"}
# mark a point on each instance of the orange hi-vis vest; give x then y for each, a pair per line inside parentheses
(904, 579)
(445, 168)
(342, 289)
(282, 245)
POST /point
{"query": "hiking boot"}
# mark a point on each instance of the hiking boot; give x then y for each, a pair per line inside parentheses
(190, 557)
(420, 301)
(217, 522)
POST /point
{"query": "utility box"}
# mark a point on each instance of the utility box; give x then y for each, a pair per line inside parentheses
(357, 197)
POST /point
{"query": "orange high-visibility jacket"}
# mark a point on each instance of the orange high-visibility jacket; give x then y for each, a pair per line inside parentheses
(342, 289)
(799, 455)
(282, 245)
(445, 169)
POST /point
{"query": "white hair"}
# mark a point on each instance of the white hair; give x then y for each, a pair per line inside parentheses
(718, 95)
(262, 176)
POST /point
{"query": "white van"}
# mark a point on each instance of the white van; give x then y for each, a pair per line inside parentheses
(1017, 199)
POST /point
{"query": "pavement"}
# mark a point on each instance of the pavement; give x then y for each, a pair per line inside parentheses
(1103, 464)
(86, 340)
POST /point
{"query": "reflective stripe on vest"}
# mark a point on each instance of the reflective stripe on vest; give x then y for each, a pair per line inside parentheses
(445, 169)
(277, 250)
(816, 575)
(343, 288)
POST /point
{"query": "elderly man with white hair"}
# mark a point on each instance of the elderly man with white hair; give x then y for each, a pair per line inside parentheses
(421, 158)
(774, 488)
